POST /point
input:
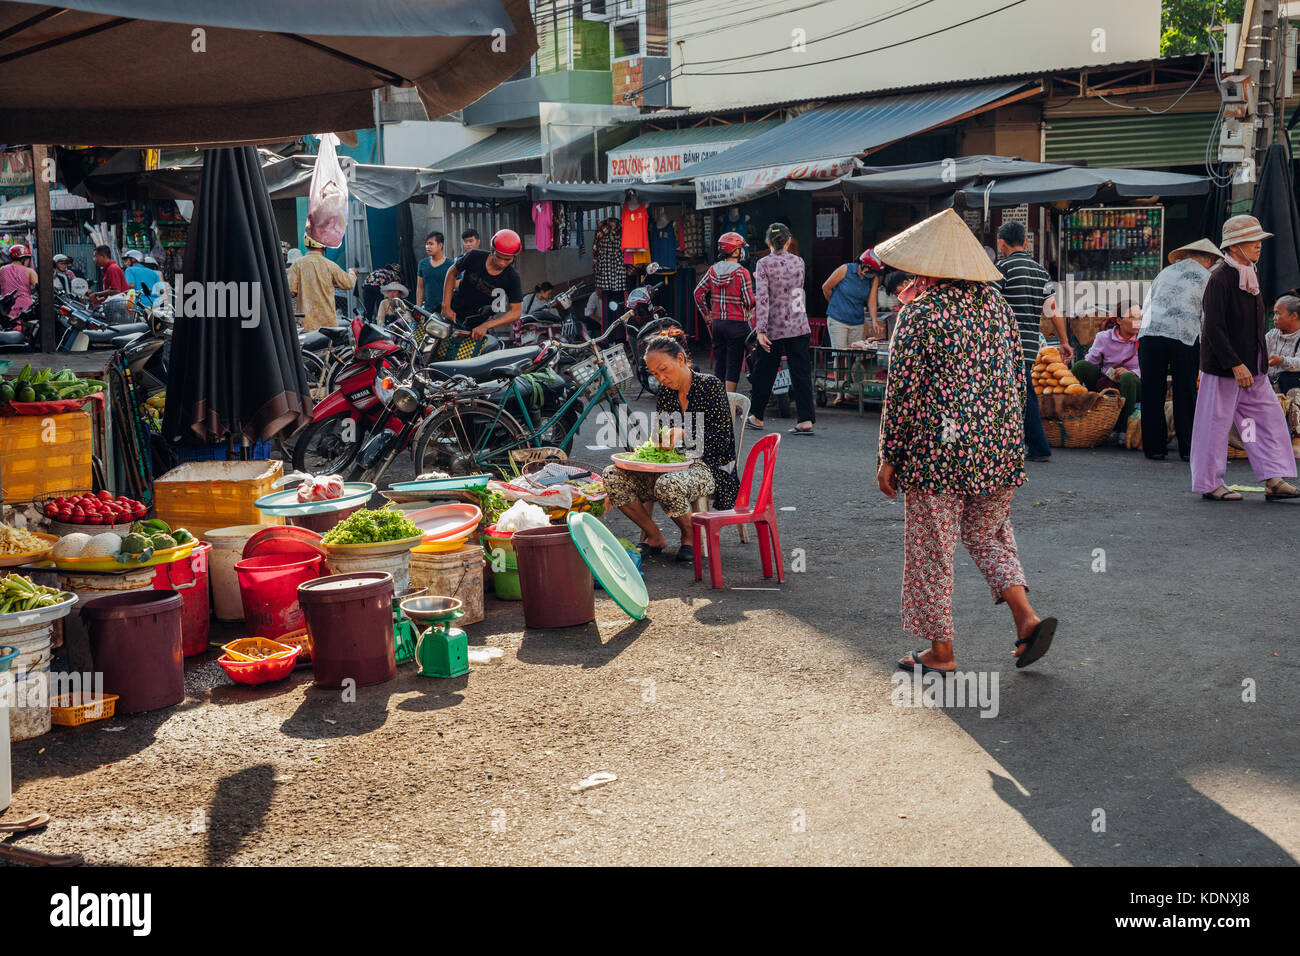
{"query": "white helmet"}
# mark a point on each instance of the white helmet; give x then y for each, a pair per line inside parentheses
(135, 254)
(151, 261)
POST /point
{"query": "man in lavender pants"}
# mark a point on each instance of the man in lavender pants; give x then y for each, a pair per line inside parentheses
(1234, 376)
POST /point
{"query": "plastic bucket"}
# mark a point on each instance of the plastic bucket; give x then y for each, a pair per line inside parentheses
(29, 715)
(321, 523)
(554, 582)
(398, 565)
(135, 639)
(87, 587)
(268, 586)
(350, 620)
(227, 550)
(457, 574)
(190, 577)
(8, 654)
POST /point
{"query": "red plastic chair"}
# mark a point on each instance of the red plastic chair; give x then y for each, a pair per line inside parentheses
(762, 515)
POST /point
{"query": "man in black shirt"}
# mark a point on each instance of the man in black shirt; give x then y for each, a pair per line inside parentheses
(487, 280)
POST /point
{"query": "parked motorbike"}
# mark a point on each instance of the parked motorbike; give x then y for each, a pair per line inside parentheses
(21, 333)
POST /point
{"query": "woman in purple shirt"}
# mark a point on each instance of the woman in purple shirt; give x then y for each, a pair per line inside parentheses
(781, 320)
(1112, 361)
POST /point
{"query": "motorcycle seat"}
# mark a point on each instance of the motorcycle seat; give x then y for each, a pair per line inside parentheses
(12, 338)
(101, 336)
(337, 334)
(122, 341)
(131, 328)
(487, 364)
(313, 341)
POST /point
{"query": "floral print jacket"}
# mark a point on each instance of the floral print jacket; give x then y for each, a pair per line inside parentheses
(953, 421)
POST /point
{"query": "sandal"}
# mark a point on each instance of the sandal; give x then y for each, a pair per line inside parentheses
(801, 431)
(906, 665)
(646, 550)
(1228, 495)
(1279, 495)
(757, 428)
(1037, 642)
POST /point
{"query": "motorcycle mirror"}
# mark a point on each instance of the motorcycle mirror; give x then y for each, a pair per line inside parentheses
(80, 286)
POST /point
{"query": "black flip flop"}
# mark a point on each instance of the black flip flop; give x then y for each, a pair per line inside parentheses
(757, 428)
(1038, 642)
(925, 668)
(647, 550)
(801, 431)
(685, 553)
(1228, 495)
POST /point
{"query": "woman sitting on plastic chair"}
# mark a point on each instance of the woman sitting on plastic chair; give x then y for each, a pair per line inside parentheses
(699, 402)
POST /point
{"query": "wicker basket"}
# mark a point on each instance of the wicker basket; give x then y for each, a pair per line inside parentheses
(1089, 429)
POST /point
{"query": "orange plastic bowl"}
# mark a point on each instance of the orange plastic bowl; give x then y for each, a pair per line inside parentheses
(260, 672)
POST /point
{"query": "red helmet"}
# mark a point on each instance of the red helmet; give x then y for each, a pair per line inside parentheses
(506, 242)
(729, 242)
(869, 260)
(19, 251)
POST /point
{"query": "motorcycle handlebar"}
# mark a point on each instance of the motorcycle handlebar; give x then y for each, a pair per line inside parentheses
(591, 343)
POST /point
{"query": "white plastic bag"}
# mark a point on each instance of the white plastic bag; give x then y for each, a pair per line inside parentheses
(522, 516)
(327, 202)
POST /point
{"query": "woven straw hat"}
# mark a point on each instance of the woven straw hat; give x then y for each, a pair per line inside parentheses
(942, 247)
(1242, 229)
(1203, 246)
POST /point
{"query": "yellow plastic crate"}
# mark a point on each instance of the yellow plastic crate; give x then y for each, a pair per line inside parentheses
(202, 495)
(40, 454)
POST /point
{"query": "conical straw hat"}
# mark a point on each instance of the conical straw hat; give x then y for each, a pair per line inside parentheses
(943, 247)
(1203, 246)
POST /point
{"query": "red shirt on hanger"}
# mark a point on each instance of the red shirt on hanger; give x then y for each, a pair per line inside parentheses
(636, 227)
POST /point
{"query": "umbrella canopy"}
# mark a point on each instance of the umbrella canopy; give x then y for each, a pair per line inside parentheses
(236, 366)
(937, 178)
(1274, 207)
(165, 72)
(1082, 184)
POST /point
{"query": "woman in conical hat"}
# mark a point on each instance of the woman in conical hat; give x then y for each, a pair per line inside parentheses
(952, 435)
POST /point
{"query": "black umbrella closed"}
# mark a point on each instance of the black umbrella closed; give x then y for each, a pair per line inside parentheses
(1274, 207)
(1217, 203)
(237, 368)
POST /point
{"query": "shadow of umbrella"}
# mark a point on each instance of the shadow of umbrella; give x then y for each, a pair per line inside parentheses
(237, 810)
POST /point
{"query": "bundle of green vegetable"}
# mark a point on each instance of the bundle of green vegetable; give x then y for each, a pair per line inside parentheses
(658, 455)
(371, 527)
(47, 386)
(492, 503)
(18, 593)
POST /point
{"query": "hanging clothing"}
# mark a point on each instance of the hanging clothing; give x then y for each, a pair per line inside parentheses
(607, 251)
(663, 246)
(693, 236)
(542, 216)
(636, 227)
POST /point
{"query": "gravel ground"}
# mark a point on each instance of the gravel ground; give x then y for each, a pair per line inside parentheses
(761, 726)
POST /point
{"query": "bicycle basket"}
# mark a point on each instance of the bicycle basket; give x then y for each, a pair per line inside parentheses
(615, 359)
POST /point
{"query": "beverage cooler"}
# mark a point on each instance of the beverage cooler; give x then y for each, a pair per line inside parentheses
(1112, 244)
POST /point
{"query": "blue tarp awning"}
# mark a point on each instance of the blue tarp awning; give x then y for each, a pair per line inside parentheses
(826, 142)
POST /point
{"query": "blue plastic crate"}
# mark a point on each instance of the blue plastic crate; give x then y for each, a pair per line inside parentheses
(260, 452)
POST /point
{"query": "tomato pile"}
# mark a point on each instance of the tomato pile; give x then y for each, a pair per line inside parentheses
(102, 508)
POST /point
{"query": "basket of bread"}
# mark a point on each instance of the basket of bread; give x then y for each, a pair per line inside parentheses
(1073, 417)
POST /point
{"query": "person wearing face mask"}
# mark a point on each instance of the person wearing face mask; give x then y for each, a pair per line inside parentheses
(1112, 361)
(1234, 376)
(725, 297)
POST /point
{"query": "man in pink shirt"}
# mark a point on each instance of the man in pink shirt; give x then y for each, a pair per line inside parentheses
(1112, 361)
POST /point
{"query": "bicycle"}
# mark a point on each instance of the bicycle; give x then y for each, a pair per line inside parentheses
(474, 434)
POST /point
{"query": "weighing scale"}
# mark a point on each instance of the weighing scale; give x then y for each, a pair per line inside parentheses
(442, 650)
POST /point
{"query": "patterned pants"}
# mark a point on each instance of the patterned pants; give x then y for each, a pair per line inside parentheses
(677, 491)
(932, 525)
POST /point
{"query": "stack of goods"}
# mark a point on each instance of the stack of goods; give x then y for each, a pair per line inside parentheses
(1051, 376)
(44, 387)
(558, 487)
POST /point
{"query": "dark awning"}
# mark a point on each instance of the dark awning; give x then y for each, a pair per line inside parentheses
(1083, 184)
(937, 178)
(600, 194)
(474, 192)
(134, 73)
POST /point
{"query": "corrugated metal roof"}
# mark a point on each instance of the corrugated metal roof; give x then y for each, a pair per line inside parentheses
(503, 146)
(704, 135)
(1190, 59)
(848, 129)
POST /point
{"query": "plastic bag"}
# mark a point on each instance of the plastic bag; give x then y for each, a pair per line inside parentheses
(522, 516)
(327, 201)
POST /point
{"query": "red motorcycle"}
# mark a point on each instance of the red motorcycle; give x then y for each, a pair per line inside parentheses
(329, 442)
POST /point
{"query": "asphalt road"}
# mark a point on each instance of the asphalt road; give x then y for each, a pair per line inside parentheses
(752, 725)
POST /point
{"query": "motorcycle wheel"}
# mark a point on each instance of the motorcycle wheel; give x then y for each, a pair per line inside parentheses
(323, 447)
(448, 441)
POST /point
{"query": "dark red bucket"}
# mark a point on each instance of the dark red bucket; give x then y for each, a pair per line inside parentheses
(554, 582)
(350, 623)
(135, 642)
(189, 576)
